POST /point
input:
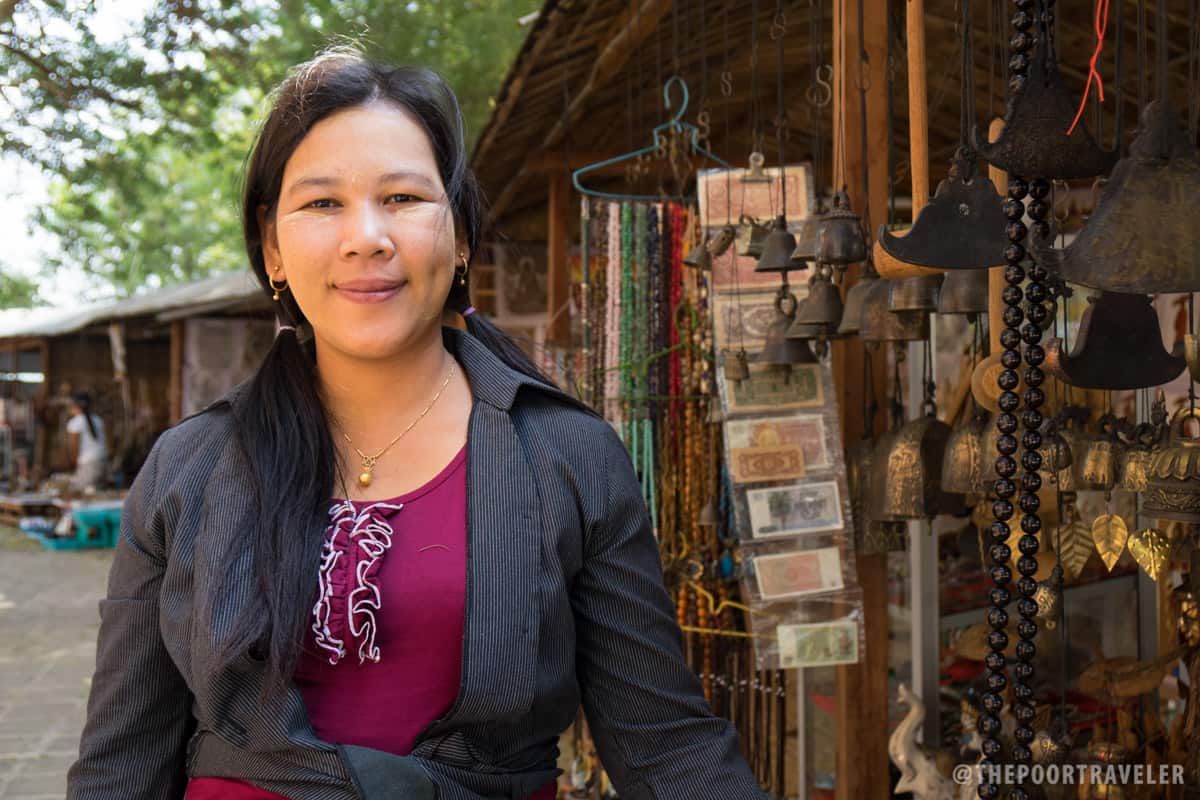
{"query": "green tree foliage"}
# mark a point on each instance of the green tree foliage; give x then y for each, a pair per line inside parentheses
(16, 291)
(145, 136)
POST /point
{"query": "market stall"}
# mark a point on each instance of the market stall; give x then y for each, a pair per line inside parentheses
(920, 462)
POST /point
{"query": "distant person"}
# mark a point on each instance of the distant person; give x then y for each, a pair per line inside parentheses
(392, 564)
(86, 444)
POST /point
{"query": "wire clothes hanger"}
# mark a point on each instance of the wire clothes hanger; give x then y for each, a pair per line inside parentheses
(660, 136)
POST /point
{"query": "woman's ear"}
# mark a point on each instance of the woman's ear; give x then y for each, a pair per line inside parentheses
(270, 246)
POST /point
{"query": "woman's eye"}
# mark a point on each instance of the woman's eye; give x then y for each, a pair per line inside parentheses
(323, 203)
(401, 198)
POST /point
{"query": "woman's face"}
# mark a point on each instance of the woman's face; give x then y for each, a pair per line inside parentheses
(363, 232)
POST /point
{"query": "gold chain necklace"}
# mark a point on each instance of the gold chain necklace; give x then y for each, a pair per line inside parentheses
(368, 462)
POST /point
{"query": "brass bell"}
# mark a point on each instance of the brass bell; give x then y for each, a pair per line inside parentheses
(852, 311)
(823, 306)
(916, 294)
(718, 245)
(699, 257)
(1095, 468)
(1142, 236)
(1134, 472)
(779, 350)
(777, 249)
(964, 291)
(840, 238)
(751, 236)
(1173, 490)
(737, 366)
(906, 472)
(962, 464)
(879, 323)
(806, 240)
(816, 333)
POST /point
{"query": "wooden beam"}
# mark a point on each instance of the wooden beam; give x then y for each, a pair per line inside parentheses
(558, 273)
(862, 689)
(175, 387)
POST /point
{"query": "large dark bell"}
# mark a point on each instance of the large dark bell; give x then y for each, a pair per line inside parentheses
(855, 297)
(964, 291)
(916, 294)
(840, 238)
(777, 250)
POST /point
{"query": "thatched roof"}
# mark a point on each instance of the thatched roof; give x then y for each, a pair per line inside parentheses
(587, 82)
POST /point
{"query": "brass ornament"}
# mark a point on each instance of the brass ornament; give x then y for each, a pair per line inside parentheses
(1173, 490)
(1142, 236)
(1049, 598)
(906, 472)
(1109, 533)
(1126, 677)
(1187, 616)
(277, 289)
(1150, 549)
(1075, 543)
(962, 464)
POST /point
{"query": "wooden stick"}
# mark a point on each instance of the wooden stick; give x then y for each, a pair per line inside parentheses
(918, 141)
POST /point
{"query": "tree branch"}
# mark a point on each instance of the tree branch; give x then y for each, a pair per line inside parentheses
(7, 8)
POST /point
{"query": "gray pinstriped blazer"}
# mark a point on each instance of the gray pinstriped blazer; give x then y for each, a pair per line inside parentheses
(565, 604)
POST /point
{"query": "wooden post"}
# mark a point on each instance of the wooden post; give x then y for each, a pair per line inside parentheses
(175, 389)
(558, 274)
(862, 698)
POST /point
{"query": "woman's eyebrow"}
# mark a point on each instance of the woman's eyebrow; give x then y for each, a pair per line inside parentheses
(322, 181)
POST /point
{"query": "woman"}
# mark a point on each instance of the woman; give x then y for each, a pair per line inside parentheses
(85, 443)
(395, 561)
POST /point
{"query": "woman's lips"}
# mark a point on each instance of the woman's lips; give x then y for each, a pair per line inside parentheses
(369, 294)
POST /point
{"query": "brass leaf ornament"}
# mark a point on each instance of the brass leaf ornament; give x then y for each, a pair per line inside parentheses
(1109, 534)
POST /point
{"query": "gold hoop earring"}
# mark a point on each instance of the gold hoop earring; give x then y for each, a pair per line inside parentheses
(462, 276)
(277, 289)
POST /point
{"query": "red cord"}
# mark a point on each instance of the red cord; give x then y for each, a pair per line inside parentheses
(1101, 27)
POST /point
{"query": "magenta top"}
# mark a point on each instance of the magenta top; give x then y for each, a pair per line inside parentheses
(384, 655)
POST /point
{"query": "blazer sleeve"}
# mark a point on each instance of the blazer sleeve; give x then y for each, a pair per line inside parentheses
(139, 710)
(654, 731)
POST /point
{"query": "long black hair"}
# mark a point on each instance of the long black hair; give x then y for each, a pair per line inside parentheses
(283, 428)
(84, 401)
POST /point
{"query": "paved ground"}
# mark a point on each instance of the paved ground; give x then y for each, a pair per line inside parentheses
(48, 622)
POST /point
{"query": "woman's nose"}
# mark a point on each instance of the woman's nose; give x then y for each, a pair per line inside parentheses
(366, 233)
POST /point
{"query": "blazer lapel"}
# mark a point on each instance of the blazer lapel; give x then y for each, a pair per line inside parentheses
(500, 634)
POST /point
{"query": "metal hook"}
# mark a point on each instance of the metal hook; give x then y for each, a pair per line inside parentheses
(778, 26)
(820, 91)
(667, 97)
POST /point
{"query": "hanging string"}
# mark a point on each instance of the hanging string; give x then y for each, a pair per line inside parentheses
(754, 121)
(864, 83)
(816, 39)
(778, 31)
(1119, 69)
(1141, 54)
(1101, 25)
(967, 103)
(1194, 68)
